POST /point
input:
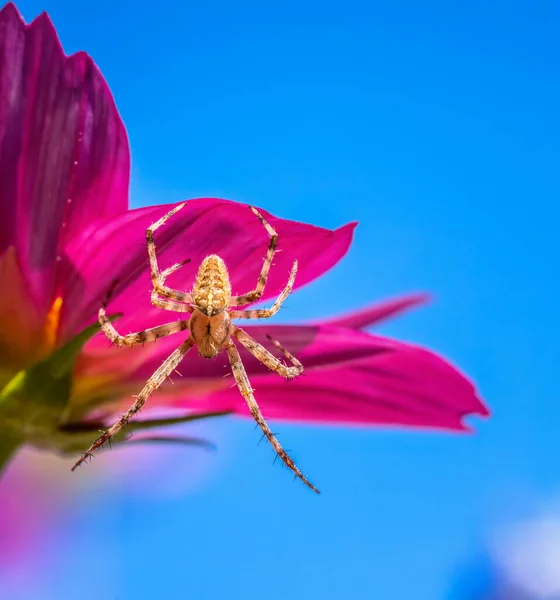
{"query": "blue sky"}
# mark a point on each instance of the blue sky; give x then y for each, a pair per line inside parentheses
(434, 124)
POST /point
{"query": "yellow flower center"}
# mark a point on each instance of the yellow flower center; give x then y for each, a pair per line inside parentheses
(52, 323)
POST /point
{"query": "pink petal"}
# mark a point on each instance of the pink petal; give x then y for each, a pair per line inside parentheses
(378, 391)
(349, 377)
(117, 250)
(64, 158)
(397, 384)
(380, 311)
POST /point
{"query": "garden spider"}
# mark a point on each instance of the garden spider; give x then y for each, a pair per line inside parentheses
(210, 326)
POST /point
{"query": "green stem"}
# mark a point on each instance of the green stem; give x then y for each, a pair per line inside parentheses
(8, 448)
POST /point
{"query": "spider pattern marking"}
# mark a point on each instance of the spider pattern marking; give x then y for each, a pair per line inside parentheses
(212, 308)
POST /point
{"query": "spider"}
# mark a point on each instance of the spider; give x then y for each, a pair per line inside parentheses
(212, 308)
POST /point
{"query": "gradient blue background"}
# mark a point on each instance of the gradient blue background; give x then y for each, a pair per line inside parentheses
(437, 126)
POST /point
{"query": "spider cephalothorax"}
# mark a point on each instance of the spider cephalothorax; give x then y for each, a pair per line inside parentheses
(211, 329)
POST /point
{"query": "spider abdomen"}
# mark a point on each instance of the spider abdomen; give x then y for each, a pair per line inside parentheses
(212, 290)
(210, 333)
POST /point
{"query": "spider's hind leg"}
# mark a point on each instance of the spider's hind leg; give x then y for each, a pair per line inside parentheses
(168, 366)
(242, 381)
(295, 362)
(267, 358)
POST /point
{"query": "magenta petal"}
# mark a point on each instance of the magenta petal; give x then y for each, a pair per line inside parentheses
(64, 158)
(355, 377)
(368, 392)
(378, 391)
(380, 311)
(395, 383)
(205, 226)
(349, 377)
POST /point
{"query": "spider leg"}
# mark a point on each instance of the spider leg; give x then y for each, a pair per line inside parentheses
(158, 278)
(141, 337)
(264, 313)
(268, 359)
(147, 335)
(258, 291)
(168, 366)
(173, 268)
(242, 381)
(168, 304)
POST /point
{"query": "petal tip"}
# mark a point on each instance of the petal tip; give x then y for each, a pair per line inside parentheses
(351, 226)
(479, 409)
(373, 315)
(10, 9)
(10, 12)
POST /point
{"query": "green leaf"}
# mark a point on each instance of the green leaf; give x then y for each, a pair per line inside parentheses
(11, 388)
(151, 423)
(34, 400)
(61, 361)
(89, 426)
(183, 440)
(49, 381)
(74, 437)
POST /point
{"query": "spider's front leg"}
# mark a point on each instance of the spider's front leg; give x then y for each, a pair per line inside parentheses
(261, 283)
(264, 313)
(169, 365)
(171, 299)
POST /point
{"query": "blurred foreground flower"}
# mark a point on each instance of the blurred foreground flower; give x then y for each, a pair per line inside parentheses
(66, 234)
(528, 558)
(522, 563)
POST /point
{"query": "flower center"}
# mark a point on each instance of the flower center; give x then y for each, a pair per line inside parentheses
(52, 322)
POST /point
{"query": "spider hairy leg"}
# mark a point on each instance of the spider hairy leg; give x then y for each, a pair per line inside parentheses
(158, 278)
(287, 354)
(168, 304)
(165, 274)
(255, 294)
(265, 313)
(246, 390)
(268, 359)
(141, 337)
(168, 366)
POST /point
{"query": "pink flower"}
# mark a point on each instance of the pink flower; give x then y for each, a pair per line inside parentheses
(66, 234)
